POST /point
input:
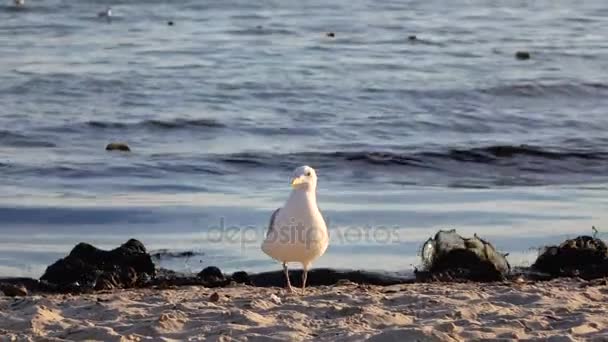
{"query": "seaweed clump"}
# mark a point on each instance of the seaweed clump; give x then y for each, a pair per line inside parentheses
(584, 256)
(450, 257)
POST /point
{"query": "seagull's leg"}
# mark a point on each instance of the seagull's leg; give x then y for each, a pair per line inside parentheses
(289, 288)
(304, 278)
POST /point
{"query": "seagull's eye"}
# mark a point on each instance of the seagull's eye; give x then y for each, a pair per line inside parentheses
(308, 174)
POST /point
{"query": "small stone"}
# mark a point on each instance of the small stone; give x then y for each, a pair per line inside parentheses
(412, 37)
(522, 55)
(330, 34)
(275, 299)
(509, 335)
(170, 23)
(215, 297)
(118, 147)
(446, 327)
(13, 290)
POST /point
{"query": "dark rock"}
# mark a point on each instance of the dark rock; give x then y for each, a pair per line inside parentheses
(212, 274)
(522, 55)
(584, 256)
(412, 37)
(316, 277)
(241, 277)
(32, 285)
(170, 23)
(330, 34)
(13, 290)
(118, 147)
(448, 256)
(166, 278)
(87, 268)
(326, 276)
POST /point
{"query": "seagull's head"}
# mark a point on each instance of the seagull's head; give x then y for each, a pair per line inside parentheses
(305, 178)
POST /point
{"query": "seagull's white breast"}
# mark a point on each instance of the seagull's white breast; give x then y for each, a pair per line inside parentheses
(298, 233)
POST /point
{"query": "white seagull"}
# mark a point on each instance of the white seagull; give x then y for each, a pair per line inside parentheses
(297, 231)
(105, 14)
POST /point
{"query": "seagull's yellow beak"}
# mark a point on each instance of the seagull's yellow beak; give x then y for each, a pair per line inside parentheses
(297, 181)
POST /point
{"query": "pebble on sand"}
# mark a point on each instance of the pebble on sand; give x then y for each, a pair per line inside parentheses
(330, 34)
(118, 147)
(215, 297)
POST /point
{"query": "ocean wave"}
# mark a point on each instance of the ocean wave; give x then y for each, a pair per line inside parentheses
(508, 155)
(476, 167)
(165, 253)
(158, 124)
(261, 31)
(540, 89)
(64, 83)
(485, 166)
(13, 139)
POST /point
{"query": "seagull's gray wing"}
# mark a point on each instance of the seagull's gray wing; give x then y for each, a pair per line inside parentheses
(271, 224)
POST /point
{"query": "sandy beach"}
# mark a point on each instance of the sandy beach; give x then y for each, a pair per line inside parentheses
(559, 310)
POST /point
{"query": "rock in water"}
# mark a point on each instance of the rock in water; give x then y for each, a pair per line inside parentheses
(522, 55)
(126, 266)
(449, 255)
(118, 147)
(584, 256)
(11, 290)
(212, 275)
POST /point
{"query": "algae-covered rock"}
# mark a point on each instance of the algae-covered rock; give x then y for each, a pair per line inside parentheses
(584, 256)
(450, 256)
(87, 268)
(117, 146)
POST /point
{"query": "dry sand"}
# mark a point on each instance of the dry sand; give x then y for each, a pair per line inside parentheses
(561, 310)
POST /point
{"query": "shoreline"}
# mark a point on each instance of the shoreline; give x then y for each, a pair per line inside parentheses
(556, 310)
(316, 277)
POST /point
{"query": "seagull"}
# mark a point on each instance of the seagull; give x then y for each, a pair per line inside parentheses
(19, 3)
(105, 14)
(297, 231)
